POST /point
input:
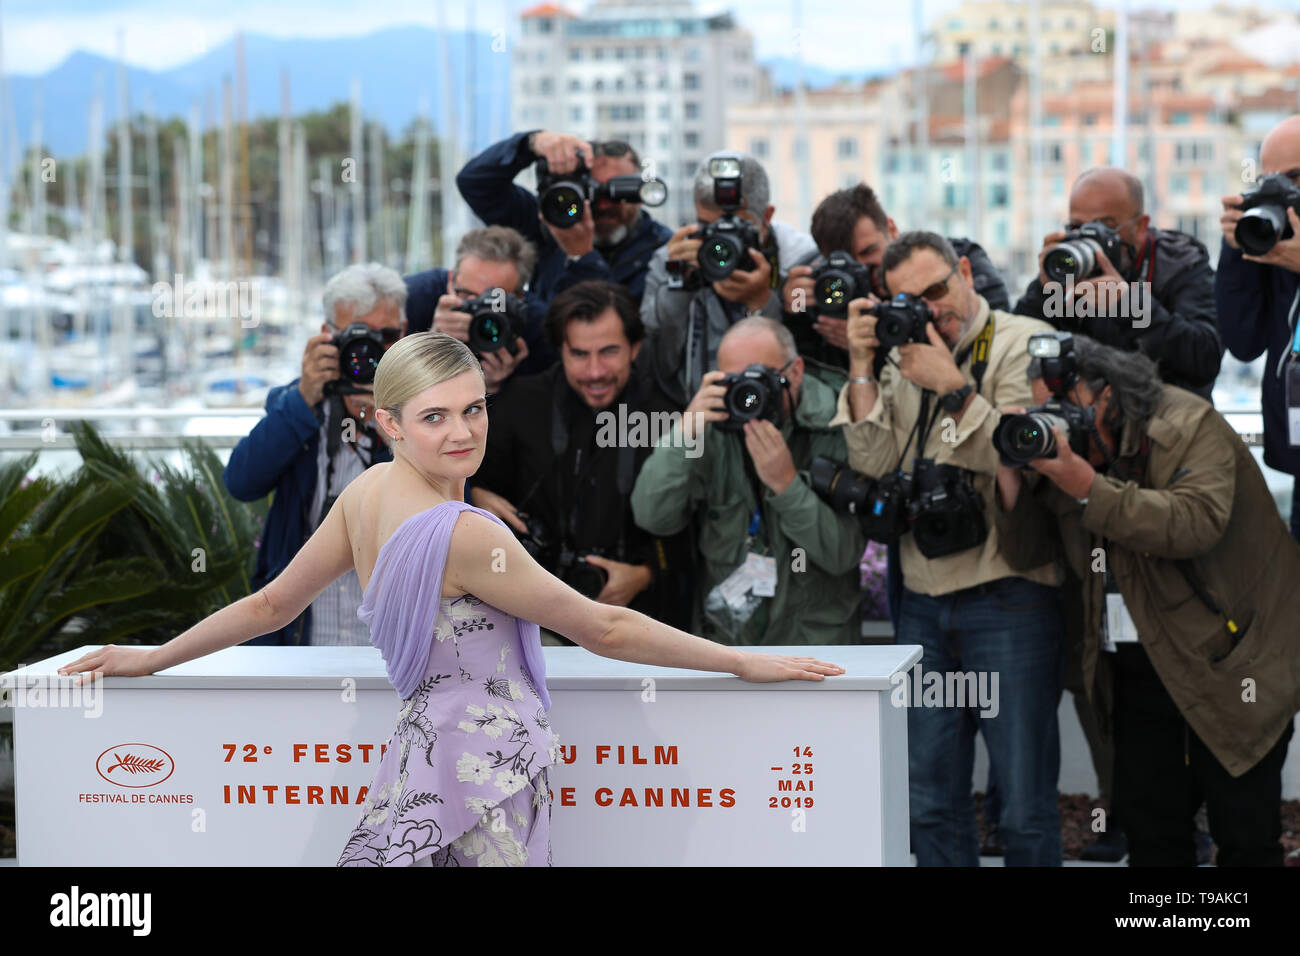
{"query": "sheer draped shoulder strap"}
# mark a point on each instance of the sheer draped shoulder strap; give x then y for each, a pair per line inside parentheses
(402, 599)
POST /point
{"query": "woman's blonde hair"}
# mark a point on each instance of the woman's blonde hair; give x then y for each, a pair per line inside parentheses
(417, 362)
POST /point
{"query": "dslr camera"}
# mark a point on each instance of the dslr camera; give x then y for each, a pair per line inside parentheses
(1265, 222)
(561, 196)
(586, 579)
(753, 394)
(901, 320)
(1021, 438)
(946, 513)
(1078, 254)
(880, 505)
(496, 321)
(725, 242)
(360, 349)
(838, 281)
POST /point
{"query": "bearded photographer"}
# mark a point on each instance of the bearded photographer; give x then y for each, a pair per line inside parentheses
(609, 239)
(1188, 589)
(1141, 287)
(712, 273)
(923, 431)
(1259, 295)
(557, 471)
(450, 300)
(853, 221)
(317, 435)
(779, 565)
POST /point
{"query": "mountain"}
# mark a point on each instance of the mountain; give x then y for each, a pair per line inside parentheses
(396, 67)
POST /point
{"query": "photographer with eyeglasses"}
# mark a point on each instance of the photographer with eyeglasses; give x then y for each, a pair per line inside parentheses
(778, 565)
(317, 435)
(920, 439)
(1114, 277)
(586, 219)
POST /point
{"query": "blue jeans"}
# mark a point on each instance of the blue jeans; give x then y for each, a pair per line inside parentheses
(1011, 628)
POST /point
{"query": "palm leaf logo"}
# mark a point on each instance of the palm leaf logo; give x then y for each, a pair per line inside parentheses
(133, 764)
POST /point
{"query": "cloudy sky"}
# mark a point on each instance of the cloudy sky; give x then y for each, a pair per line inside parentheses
(38, 34)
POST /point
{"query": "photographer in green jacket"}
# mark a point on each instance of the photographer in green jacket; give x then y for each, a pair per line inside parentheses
(779, 566)
(1190, 606)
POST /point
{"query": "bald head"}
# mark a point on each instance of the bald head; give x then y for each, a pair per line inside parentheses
(1280, 150)
(1117, 186)
(762, 341)
(1115, 197)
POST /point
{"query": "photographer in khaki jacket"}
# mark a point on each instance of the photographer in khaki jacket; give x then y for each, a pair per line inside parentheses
(1201, 676)
(969, 609)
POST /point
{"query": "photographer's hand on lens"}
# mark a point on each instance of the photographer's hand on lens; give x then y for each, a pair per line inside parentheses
(578, 239)
(1109, 277)
(499, 506)
(624, 583)
(684, 246)
(1286, 253)
(500, 365)
(752, 289)
(1228, 221)
(1050, 240)
(800, 277)
(111, 661)
(449, 318)
(320, 364)
(771, 456)
(1069, 472)
(560, 150)
(860, 330)
(930, 366)
(708, 405)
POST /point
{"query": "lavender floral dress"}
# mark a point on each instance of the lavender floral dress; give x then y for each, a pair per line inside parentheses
(463, 779)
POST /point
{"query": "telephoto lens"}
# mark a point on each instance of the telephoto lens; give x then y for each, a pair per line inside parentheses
(1265, 221)
(1021, 438)
(1079, 253)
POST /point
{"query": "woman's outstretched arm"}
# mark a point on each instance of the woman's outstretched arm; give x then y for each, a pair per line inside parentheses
(486, 560)
(326, 556)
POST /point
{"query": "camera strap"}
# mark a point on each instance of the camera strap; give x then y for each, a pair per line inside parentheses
(980, 349)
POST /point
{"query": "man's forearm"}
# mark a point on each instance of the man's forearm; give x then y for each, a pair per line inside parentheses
(862, 395)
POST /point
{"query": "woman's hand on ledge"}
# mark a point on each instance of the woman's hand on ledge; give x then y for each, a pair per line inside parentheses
(760, 668)
(112, 661)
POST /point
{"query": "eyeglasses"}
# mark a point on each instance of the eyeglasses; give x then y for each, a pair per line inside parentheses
(933, 293)
(1108, 222)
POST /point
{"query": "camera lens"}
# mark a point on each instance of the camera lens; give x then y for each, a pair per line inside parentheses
(359, 361)
(1074, 258)
(832, 291)
(562, 206)
(746, 400)
(721, 253)
(1029, 436)
(1258, 229)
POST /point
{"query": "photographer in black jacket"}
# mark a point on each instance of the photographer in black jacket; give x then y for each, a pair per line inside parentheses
(614, 240)
(559, 467)
(1171, 318)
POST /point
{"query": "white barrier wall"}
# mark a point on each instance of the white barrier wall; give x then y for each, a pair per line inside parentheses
(261, 756)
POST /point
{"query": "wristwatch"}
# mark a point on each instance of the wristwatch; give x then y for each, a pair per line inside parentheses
(954, 400)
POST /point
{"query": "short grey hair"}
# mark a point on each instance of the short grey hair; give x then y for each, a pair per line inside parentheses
(362, 287)
(901, 249)
(1133, 377)
(755, 193)
(761, 323)
(499, 244)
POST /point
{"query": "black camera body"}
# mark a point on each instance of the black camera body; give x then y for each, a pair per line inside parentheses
(725, 245)
(360, 349)
(838, 280)
(496, 321)
(561, 559)
(752, 394)
(880, 505)
(1079, 253)
(1265, 221)
(901, 320)
(1021, 438)
(561, 196)
(946, 513)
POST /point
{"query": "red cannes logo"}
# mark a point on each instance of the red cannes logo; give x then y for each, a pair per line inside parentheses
(135, 765)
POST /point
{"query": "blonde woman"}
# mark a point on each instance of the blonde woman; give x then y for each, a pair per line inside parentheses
(453, 602)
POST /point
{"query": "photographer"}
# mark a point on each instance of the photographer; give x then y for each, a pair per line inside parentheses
(694, 294)
(1258, 298)
(779, 565)
(612, 241)
(317, 435)
(493, 257)
(559, 474)
(934, 406)
(1188, 594)
(1150, 289)
(852, 220)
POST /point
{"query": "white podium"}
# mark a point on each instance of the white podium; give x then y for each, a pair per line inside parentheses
(261, 756)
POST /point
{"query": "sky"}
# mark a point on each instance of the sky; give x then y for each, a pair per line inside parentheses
(158, 34)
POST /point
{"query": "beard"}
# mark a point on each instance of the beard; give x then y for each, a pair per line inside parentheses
(611, 236)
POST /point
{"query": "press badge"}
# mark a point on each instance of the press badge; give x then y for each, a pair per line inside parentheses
(1120, 628)
(763, 573)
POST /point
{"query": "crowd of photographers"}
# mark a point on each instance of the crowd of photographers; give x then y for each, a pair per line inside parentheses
(709, 424)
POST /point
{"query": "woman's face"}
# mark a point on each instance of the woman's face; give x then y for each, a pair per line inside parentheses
(444, 428)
